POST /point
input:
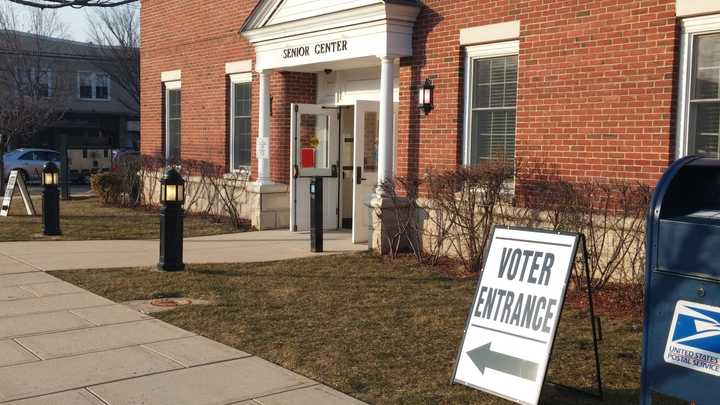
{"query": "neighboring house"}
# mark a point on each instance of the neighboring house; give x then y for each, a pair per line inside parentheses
(97, 114)
(598, 90)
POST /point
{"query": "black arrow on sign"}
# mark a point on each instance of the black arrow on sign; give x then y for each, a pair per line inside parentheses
(483, 358)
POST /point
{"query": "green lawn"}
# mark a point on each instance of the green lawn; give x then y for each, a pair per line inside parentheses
(383, 332)
(86, 219)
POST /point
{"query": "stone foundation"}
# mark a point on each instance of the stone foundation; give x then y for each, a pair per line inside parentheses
(388, 216)
(270, 208)
(266, 206)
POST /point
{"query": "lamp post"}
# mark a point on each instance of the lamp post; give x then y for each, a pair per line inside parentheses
(316, 215)
(51, 200)
(172, 196)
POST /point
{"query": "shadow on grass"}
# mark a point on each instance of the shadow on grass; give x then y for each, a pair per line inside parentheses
(342, 279)
(561, 396)
(553, 395)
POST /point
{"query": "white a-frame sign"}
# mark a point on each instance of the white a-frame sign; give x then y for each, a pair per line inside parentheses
(513, 320)
(15, 180)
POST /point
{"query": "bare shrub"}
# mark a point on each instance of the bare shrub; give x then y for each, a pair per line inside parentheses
(464, 205)
(209, 190)
(107, 186)
(468, 198)
(614, 226)
(438, 224)
(198, 188)
(149, 172)
(611, 215)
(556, 203)
(128, 169)
(230, 193)
(401, 228)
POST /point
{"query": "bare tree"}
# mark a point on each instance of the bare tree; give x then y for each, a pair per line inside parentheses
(55, 4)
(32, 94)
(116, 33)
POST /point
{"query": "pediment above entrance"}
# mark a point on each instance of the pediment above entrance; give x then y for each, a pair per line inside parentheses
(273, 12)
(291, 33)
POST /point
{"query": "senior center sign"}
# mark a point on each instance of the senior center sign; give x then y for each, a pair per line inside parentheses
(511, 327)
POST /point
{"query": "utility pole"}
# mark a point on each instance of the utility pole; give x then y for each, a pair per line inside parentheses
(2, 163)
(64, 169)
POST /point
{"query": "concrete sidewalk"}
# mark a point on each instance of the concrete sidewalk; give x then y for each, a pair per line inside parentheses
(60, 344)
(231, 248)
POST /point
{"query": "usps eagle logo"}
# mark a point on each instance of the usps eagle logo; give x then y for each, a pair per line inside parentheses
(694, 338)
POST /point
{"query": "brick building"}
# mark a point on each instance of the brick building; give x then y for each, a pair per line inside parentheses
(78, 81)
(598, 89)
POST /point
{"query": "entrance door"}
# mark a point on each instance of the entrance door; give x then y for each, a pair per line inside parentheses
(364, 165)
(314, 145)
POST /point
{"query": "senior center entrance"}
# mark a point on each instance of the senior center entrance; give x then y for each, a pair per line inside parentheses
(341, 143)
(348, 135)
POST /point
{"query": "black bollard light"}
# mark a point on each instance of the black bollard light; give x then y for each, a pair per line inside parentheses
(316, 215)
(51, 200)
(172, 196)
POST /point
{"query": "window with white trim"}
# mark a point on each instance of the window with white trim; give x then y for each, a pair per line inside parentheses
(172, 121)
(34, 82)
(240, 121)
(490, 102)
(699, 94)
(93, 86)
(704, 100)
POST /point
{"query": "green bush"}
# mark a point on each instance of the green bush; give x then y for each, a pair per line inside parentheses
(109, 186)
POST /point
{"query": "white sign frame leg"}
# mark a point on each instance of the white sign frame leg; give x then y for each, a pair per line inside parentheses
(15, 179)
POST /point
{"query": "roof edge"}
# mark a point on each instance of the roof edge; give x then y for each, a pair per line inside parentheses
(264, 10)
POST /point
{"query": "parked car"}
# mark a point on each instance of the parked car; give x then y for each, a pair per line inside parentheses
(29, 162)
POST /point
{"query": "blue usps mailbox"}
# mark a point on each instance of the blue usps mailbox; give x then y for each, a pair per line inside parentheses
(681, 343)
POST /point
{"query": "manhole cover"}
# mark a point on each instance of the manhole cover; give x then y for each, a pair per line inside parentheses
(151, 306)
(170, 302)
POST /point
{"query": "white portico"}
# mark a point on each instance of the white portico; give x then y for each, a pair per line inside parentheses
(354, 47)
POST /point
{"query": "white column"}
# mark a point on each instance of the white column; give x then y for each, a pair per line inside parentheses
(263, 140)
(386, 145)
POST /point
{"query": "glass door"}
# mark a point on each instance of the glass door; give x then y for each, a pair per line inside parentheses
(364, 165)
(314, 145)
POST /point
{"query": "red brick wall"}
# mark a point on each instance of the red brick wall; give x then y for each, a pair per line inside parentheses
(286, 88)
(595, 85)
(198, 40)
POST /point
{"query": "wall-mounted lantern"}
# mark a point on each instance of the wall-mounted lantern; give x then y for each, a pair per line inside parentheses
(426, 95)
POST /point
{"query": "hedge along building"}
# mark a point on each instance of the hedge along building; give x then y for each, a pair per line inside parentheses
(596, 89)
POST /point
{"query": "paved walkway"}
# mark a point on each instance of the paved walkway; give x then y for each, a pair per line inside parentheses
(231, 248)
(60, 344)
(76, 190)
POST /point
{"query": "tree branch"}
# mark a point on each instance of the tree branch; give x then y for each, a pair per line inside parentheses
(50, 4)
(116, 33)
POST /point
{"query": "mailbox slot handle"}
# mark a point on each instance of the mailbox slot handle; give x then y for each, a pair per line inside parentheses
(686, 275)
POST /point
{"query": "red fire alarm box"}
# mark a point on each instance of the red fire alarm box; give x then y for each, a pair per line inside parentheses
(307, 158)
